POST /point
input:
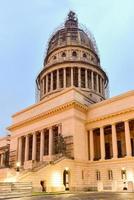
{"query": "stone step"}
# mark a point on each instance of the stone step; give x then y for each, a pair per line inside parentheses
(8, 195)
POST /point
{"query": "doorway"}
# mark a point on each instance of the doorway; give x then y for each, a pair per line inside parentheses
(66, 177)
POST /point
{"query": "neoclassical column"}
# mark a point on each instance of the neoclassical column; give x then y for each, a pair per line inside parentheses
(71, 76)
(102, 143)
(114, 141)
(41, 145)
(101, 85)
(50, 141)
(64, 75)
(51, 81)
(86, 83)
(128, 139)
(59, 129)
(92, 80)
(57, 78)
(91, 145)
(79, 77)
(20, 150)
(43, 80)
(34, 147)
(2, 160)
(97, 83)
(27, 148)
(47, 83)
(103, 91)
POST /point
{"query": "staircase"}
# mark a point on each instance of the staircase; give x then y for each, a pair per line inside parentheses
(15, 190)
(24, 173)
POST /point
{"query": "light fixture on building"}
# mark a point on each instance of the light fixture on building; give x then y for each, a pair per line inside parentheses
(18, 166)
(67, 168)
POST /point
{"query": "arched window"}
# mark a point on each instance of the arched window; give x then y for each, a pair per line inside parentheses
(74, 54)
(63, 54)
(54, 58)
(84, 55)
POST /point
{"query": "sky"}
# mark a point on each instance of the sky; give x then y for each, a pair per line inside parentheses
(25, 28)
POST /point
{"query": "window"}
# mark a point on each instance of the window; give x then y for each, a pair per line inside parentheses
(98, 177)
(75, 75)
(63, 54)
(74, 54)
(54, 57)
(82, 77)
(84, 55)
(123, 174)
(82, 174)
(110, 174)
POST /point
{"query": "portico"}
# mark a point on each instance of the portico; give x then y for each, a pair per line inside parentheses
(38, 146)
(111, 141)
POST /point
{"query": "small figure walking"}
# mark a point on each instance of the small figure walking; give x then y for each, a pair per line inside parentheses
(43, 185)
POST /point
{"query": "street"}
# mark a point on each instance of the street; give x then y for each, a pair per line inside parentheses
(84, 196)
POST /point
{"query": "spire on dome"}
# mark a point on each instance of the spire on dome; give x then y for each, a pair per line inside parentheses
(72, 21)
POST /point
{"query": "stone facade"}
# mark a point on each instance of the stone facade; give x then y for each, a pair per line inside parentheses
(73, 138)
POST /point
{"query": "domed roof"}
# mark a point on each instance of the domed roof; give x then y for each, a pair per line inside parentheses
(71, 33)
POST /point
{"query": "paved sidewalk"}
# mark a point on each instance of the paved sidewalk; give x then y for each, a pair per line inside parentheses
(83, 196)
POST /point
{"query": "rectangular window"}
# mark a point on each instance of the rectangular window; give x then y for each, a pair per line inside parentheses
(110, 174)
(98, 177)
(82, 174)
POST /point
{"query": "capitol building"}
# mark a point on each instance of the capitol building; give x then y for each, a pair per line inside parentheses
(74, 137)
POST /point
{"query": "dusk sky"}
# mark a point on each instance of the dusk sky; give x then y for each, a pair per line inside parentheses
(25, 27)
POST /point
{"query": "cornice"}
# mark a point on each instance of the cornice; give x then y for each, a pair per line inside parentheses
(112, 99)
(87, 63)
(51, 112)
(71, 46)
(110, 115)
(44, 100)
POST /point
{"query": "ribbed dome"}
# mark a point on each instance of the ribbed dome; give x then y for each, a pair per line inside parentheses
(71, 34)
(72, 60)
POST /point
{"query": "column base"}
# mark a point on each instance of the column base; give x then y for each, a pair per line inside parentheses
(102, 159)
(128, 156)
(114, 158)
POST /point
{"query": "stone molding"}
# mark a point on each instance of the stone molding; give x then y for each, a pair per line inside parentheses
(51, 112)
(111, 115)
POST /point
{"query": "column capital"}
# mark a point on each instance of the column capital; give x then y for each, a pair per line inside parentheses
(113, 124)
(126, 121)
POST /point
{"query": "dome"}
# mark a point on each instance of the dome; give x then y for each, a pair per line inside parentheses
(71, 33)
(72, 61)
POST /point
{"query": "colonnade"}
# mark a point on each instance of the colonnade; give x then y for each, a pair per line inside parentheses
(72, 76)
(114, 142)
(37, 142)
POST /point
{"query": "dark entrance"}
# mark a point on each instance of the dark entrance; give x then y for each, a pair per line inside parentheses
(107, 149)
(119, 149)
(66, 179)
